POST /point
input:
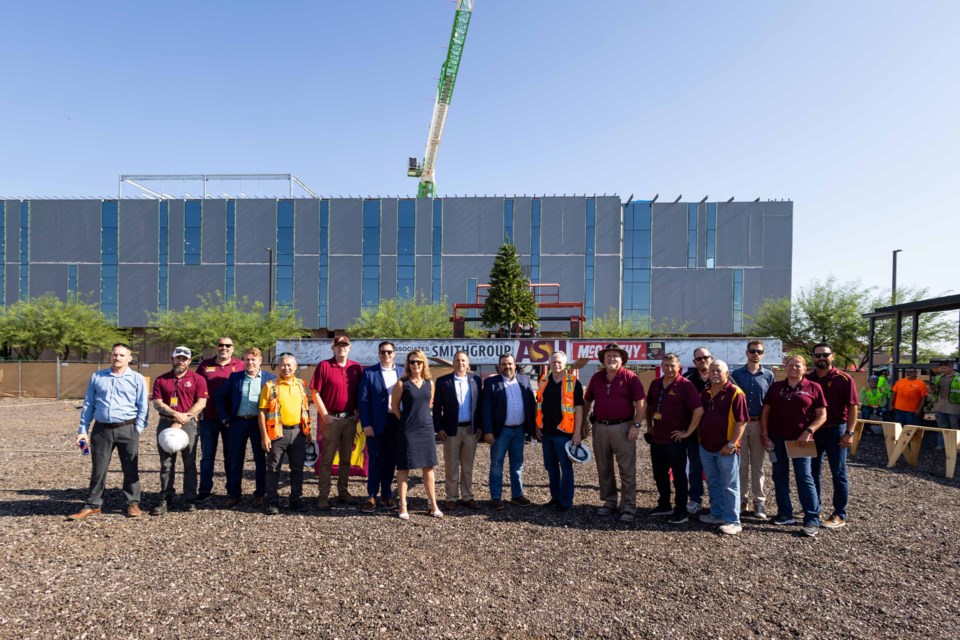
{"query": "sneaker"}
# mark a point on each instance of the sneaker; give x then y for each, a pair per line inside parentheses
(758, 512)
(810, 530)
(605, 510)
(731, 529)
(678, 518)
(369, 505)
(190, 506)
(271, 509)
(693, 507)
(160, 509)
(203, 497)
(626, 518)
(496, 505)
(522, 501)
(709, 518)
(662, 511)
(784, 519)
(833, 522)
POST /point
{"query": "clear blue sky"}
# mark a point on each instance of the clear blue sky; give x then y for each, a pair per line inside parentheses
(850, 109)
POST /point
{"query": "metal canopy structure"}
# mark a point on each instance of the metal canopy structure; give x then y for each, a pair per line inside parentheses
(135, 180)
(913, 310)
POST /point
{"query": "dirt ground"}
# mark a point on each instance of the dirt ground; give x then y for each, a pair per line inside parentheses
(518, 573)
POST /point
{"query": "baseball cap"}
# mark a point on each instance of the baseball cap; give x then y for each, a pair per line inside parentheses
(182, 351)
(342, 339)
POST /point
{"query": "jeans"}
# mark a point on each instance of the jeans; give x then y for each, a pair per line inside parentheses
(827, 440)
(695, 477)
(871, 413)
(382, 449)
(509, 440)
(946, 421)
(168, 463)
(905, 417)
(723, 482)
(667, 458)
(559, 468)
(806, 489)
(209, 431)
(238, 434)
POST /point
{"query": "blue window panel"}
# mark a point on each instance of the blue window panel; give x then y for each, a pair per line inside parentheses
(284, 255)
(109, 234)
(508, 220)
(3, 252)
(436, 264)
(72, 280)
(590, 259)
(711, 236)
(691, 236)
(535, 240)
(192, 214)
(24, 250)
(636, 260)
(229, 288)
(406, 249)
(738, 300)
(370, 283)
(164, 255)
(472, 295)
(324, 262)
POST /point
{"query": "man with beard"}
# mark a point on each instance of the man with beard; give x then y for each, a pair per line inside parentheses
(215, 371)
(699, 375)
(755, 381)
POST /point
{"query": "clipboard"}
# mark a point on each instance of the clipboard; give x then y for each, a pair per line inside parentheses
(796, 450)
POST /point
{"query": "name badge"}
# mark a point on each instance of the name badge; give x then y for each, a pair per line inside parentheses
(657, 416)
(211, 369)
(173, 401)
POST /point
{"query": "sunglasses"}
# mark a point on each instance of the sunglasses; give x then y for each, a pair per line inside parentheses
(385, 352)
(702, 358)
(224, 346)
(756, 352)
(820, 356)
(419, 363)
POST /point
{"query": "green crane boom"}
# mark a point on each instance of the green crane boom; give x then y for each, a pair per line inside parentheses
(448, 78)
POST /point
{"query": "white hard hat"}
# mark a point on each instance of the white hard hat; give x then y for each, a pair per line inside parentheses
(310, 457)
(578, 453)
(172, 440)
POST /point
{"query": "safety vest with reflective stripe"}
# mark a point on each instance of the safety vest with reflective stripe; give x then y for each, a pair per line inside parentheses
(274, 423)
(568, 419)
(874, 397)
(954, 396)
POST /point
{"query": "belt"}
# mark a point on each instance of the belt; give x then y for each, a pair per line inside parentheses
(754, 418)
(114, 425)
(342, 414)
(292, 426)
(464, 424)
(513, 426)
(252, 416)
(609, 422)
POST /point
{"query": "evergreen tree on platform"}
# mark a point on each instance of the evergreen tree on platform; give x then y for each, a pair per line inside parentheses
(510, 300)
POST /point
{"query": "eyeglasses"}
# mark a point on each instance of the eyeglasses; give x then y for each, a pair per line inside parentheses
(702, 358)
(820, 356)
(419, 363)
(385, 352)
(224, 346)
(755, 352)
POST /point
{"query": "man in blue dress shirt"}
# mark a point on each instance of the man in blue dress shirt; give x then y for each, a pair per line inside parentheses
(755, 381)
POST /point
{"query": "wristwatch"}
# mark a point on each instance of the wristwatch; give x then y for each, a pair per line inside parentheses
(732, 445)
(848, 433)
(636, 425)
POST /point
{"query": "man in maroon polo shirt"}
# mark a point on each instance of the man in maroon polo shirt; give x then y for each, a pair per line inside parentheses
(616, 397)
(834, 437)
(215, 371)
(179, 396)
(673, 409)
(334, 386)
(793, 409)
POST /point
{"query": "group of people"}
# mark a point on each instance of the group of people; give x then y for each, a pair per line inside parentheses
(707, 422)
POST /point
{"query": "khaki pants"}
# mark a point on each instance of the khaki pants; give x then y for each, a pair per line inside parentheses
(610, 442)
(337, 436)
(751, 465)
(459, 452)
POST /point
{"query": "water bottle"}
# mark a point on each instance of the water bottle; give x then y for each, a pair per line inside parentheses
(84, 449)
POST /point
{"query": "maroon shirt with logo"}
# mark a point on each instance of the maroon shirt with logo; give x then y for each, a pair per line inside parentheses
(839, 392)
(792, 408)
(186, 390)
(614, 400)
(721, 413)
(216, 375)
(337, 385)
(673, 404)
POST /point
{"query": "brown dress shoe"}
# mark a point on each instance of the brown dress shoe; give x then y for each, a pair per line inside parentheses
(471, 504)
(235, 501)
(133, 510)
(450, 505)
(369, 505)
(496, 505)
(388, 504)
(84, 513)
(257, 502)
(523, 501)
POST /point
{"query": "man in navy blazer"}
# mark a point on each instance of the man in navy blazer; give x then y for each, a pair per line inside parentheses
(379, 426)
(237, 403)
(508, 410)
(456, 421)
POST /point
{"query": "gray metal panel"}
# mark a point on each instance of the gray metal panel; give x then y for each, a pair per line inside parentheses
(733, 235)
(253, 282)
(563, 225)
(388, 277)
(175, 231)
(522, 209)
(608, 225)
(11, 226)
(49, 219)
(760, 284)
(424, 269)
(606, 288)
(669, 223)
(388, 227)
(188, 282)
(566, 270)
(701, 298)
(472, 225)
(424, 222)
(139, 232)
(306, 233)
(457, 270)
(777, 239)
(138, 294)
(88, 282)
(306, 278)
(344, 290)
(213, 232)
(48, 278)
(346, 228)
(11, 283)
(256, 230)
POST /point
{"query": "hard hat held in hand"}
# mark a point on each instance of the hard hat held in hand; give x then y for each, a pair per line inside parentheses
(310, 455)
(579, 453)
(172, 440)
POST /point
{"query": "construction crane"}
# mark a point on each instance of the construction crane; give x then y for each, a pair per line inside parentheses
(448, 77)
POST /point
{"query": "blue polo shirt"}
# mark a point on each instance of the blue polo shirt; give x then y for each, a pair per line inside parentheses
(755, 385)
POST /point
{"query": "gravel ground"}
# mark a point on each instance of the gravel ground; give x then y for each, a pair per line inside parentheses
(518, 573)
